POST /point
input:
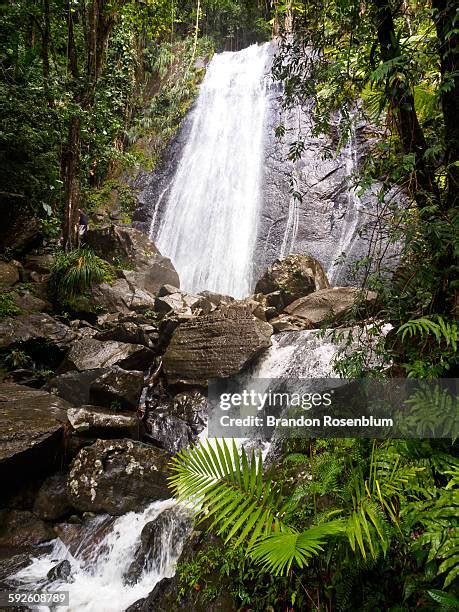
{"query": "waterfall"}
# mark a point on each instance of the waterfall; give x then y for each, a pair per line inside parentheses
(99, 565)
(351, 215)
(209, 223)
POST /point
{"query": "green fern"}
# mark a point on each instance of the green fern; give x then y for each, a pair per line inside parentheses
(443, 331)
(231, 493)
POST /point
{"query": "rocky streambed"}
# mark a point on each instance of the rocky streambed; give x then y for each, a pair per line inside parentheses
(93, 406)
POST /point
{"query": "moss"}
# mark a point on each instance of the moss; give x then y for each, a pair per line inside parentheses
(7, 306)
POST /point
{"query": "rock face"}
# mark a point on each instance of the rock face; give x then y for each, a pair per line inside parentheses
(293, 277)
(32, 327)
(117, 476)
(329, 303)
(117, 386)
(31, 430)
(89, 354)
(146, 268)
(215, 345)
(51, 502)
(94, 421)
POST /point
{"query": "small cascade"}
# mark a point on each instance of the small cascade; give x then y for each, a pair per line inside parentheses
(206, 221)
(99, 566)
(351, 216)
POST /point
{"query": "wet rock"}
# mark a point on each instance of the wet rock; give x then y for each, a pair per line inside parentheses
(89, 354)
(117, 476)
(285, 323)
(21, 228)
(146, 268)
(293, 277)
(215, 345)
(74, 386)
(61, 571)
(35, 327)
(9, 274)
(18, 528)
(31, 430)
(95, 421)
(172, 525)
(51, 502)
(330, 304)
(117, 387)
(81, 537)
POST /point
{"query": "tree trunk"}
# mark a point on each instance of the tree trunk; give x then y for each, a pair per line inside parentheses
(71, 184)
(444, 17)
(402, 102)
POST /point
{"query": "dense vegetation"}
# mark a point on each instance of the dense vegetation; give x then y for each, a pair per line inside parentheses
(93, 89)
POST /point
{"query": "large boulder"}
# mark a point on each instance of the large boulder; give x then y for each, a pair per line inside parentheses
(31, 431)
(89, 354)
(216, 345)
(293, 277)
(330, 304)
(26, 301)
(35, 327)
(175, 424)
(118, 476)
(19, 528)
(96, 422)
(117, 387)
(144, 266)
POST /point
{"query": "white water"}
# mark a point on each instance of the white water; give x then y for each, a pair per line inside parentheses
(351, 216)
(98, 578)
(209, 225)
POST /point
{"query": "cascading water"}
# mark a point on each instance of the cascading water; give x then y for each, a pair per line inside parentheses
(351, 218)
(209, 224)
(99, 567)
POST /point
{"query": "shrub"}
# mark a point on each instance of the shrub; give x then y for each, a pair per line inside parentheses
(74, 273)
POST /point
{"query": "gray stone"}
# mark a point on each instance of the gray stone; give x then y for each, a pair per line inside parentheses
(89, 353)
(93, 420)
(330, 304)
(293, 277)
(215, 345)
(28, 302)
(146, 268)
(117, 476)
(31, 430)
(35, 326)
(39, 263)
(74, 386)
(117, 386)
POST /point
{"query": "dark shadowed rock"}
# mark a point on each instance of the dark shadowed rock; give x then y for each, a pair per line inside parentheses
(100, 422)
(146, 269)
(33, 327)
(125, 331)
(329, 304)
(89, 353)
(293, 277)
(117, 386)
(117, 476)
(18, 528)
(175, 424)
(173, 526)
(51, 502)
(81, 538)
(74, 386)
(31, 430)
(39, 263)
(215, 345)
(61, 571)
